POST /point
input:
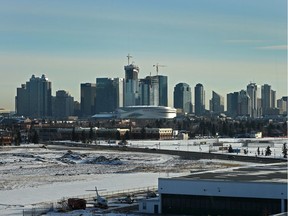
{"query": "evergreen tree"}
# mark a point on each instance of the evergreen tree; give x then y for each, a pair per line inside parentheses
(73, 136)
(118, 135)
(230, 149)
(284, 150)
(268, 151)
(143, 133)
(91, 135)
(127, 135)
(83, 137)
(35, 138)
(18, 138)
(225, 128)
(284, 126)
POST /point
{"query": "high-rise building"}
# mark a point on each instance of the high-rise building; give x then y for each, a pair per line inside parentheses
(144, 91)
(88, 97)
(63, 104)
(268, 98)
(254, 94)
(22, 101)
(109, 94)
(34, 99)
(182, 97)
(282, 105)
(232, 103)
(153, 91)
(199, 99)
(244, 104)
(118, 84)
(131, 86)
(163, 90)
(216, 103)
(149, 91)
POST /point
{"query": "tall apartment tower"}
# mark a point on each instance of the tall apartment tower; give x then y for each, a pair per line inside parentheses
(244, 104)
(118, 84)
(63, 104)
(131, 86)
(144, 91)
(199, 99)
(268, 97)
(109, 94)
(22, 101)
(232, 103)
(149, 91)
(254, 94)
(163, 90)
(88, 97)
(182, 97)
(34, 99)
(282, 105)
(217, 103)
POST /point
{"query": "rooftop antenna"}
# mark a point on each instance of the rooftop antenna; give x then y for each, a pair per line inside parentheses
(129, 57)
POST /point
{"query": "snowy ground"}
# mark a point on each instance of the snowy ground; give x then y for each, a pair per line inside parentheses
(33, 174)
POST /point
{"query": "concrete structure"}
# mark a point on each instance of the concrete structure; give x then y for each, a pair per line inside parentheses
(217, 103)
(145, 112)
(153, 91)
(152, 133)
(106, 97)
(268, 98)
(149, 206)
(131, 86)
(282, 105)
(252, 190)
(88, 99)
(199, 99)
(232, 103)
(149, 91)
(163, 90)
(118, 84)
(63, 104)
(244, 104)
(182, 97)
(254, 94)
(34, 99)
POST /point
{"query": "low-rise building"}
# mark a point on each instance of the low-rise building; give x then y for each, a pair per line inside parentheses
(251, 190)
(152, 133)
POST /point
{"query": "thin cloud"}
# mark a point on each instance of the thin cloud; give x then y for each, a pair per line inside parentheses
(276, 47)
(244, 41)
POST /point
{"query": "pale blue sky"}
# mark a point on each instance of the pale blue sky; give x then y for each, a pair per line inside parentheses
(222, 44)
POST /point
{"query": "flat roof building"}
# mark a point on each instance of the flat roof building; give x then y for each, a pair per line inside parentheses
(251, 190)
(145, 112)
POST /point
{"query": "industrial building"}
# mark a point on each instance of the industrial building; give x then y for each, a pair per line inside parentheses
(251, 190)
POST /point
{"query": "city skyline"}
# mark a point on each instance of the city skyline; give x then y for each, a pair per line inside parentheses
(222, 45)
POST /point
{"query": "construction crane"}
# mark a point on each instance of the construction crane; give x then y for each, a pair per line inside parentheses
(129, 57)
(157, 67)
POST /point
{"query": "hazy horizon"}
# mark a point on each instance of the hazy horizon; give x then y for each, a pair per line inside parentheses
(222, 44)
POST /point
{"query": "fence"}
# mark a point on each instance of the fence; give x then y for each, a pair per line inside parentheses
(41, 208)
(38, 210)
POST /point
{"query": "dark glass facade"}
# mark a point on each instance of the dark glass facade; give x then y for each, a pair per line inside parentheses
(207, 205)
(163, 90)
(182, 97)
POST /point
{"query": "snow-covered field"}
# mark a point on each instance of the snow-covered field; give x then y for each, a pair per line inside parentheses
(32, 174)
